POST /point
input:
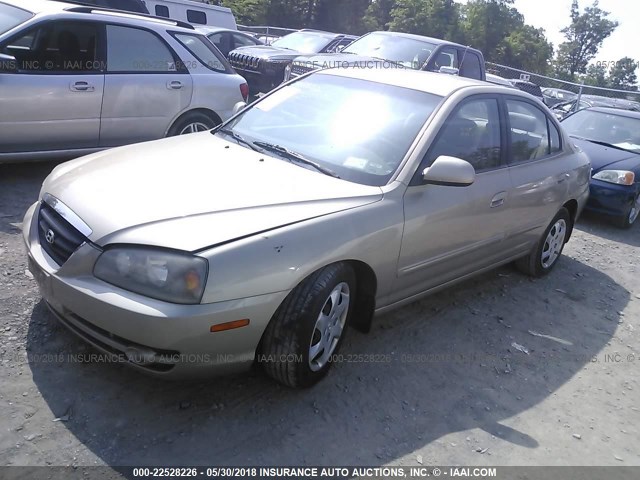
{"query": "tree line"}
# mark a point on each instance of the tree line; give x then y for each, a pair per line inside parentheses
(495, 27)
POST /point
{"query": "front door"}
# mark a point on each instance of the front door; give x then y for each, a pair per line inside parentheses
(53, 100)
(453, 231)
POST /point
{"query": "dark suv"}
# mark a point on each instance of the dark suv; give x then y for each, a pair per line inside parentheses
(398, 50)
(263, 65)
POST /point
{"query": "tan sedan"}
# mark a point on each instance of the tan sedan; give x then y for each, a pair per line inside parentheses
(341, 195)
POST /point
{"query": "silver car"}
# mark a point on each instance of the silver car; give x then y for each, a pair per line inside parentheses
(77, 79)
(340, 195)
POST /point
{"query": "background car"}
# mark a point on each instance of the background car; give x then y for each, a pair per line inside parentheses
(77, 79)
(226, 40)
(561, 110)
(378, 49)
(529, 87)
(611, 138)
(264, 66)
(346, 193)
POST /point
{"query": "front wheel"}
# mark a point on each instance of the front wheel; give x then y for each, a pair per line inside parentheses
(306, 331)
(547, 251)
(192, 122)
(631, 215)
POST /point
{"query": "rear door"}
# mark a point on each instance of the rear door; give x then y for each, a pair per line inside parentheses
(453, 231)
(53, 100)
(540, 183)
(146, 86)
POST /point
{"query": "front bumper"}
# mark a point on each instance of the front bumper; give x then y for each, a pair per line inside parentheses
(156, 337)
(611, 199)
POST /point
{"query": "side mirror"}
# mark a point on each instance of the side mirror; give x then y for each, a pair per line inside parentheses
(450, 172)
(449, 70)
(8, 63)
(238, 107)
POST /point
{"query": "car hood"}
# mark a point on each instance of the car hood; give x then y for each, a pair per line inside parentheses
(195, 191)
(267, 52)
(608, 158)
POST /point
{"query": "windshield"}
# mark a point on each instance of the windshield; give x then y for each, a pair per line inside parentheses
(11, 16)
(357, 129)
(618, 130)
(304, 42)
(409, 52)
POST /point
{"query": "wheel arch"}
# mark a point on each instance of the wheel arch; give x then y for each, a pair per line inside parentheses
(206, 111)
(572, 208)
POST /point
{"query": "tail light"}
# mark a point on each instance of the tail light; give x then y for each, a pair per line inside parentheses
(244, 90)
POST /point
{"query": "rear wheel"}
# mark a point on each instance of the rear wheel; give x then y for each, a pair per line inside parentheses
(306, 331)
(547, 251)
(631, 216)
(192, 122)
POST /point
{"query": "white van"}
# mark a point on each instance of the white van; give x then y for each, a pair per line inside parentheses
(193, 11)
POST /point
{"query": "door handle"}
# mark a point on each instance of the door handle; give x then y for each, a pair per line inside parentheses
(498, 199)
(564, 177)
(174, 85)
(81, 86)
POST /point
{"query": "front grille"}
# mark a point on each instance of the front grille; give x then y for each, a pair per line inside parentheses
(245, 62)
(57, 236)
(297, 70)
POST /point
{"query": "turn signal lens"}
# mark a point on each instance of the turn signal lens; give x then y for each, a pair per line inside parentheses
(244, 90)
(221, 327)
(620, 177)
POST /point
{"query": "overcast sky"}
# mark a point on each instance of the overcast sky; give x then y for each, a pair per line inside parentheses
(553, 16)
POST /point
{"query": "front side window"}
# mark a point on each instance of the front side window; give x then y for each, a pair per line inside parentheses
(359, 129)
(446, 57)
(134, 50)
(203, 50)
(56, 47)
(243, 41)
(471, 133)
(528, 130)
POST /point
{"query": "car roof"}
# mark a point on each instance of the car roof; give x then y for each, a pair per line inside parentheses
(49, 7)
(437, 41)
(616, 111)
(429, 82)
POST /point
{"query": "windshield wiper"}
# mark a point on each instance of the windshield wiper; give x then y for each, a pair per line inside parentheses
(606, 144)
(238, 138)
(296, 157)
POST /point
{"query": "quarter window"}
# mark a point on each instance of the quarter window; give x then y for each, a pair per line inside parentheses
(554, 137)
(135, 50)
(242, 41)
(529, 131)
(196, 16)
(471, 133)
(203, 50)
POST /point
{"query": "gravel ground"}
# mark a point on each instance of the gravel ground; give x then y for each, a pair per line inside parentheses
(501, 370)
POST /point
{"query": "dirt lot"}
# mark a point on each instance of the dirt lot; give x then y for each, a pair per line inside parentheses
(453, 391)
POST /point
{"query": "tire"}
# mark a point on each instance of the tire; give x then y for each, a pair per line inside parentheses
(548, 250)
(633, 212)
(191, 123)
(294, 351)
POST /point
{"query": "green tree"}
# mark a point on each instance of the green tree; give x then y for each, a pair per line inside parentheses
(340, 16)
(248, 12)
(596, 76)
(432, 18)
(623, 74)
(584, 35)
(378, 15)
(526, 48)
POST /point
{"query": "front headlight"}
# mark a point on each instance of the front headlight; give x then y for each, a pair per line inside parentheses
(167, 275)
(620, 177)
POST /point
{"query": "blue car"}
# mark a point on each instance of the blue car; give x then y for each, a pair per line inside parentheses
(611, 139)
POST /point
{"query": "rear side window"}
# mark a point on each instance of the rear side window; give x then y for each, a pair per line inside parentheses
(196, 16)
(162, 11)
(471, 67)
(471, 133)
(203, 50)
(134, 50)
(529, 132)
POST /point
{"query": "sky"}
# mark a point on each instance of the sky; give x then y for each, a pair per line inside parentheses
(553, 16)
